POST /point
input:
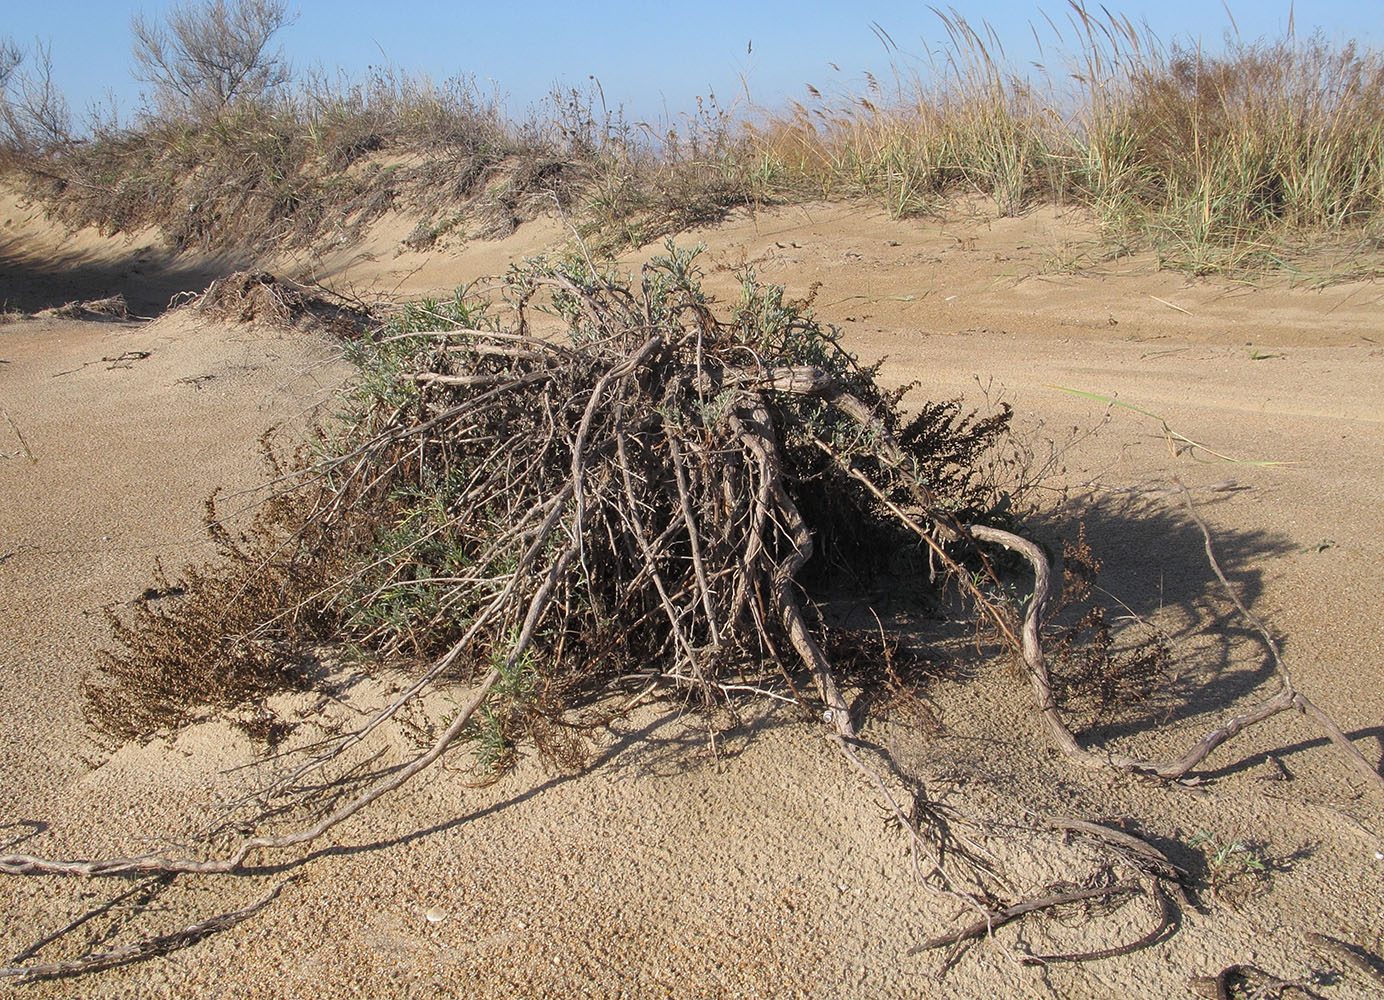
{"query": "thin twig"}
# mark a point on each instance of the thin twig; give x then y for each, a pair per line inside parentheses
(160, 944)
(998, 918)
(1164, 918)
(20, 437)
(905, 822)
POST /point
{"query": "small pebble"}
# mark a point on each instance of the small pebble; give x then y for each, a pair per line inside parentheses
(435, 914)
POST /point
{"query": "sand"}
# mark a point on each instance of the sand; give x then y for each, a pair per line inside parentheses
(768, 868)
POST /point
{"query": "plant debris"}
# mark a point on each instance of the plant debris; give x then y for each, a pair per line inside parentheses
(111, 308)
(259, 296)
(642, 503)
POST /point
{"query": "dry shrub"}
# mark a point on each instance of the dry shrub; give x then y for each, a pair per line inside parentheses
(422, 237)
(569, 533)
(112, 308)
(247, 296)
(642, 503)
(950, 444)
(1099, 677)
(240, 627)
(659, 495)
(1096, 680)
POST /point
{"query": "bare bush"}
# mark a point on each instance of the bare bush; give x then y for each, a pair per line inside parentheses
(212, 55)
(693, 488)
(34, 115)
(10, 58)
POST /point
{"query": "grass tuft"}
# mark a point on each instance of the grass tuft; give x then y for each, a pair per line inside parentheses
(1241, 160)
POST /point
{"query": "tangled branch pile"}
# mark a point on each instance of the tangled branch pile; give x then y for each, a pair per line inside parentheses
(649, 491)
(642, 501)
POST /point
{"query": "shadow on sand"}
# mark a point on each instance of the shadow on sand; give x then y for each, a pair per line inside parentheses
(147, 277)
(1155, 569)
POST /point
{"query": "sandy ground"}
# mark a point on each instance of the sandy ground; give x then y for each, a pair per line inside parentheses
(767, 869)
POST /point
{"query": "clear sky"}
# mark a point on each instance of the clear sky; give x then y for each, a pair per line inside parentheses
(651, 57)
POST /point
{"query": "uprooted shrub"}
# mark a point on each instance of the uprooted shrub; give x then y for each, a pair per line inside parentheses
(598, 481)
(639, 498)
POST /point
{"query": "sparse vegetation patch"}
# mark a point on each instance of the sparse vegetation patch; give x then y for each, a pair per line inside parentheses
(1259, 156)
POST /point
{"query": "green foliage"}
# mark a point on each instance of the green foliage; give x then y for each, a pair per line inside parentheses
(1235, 870)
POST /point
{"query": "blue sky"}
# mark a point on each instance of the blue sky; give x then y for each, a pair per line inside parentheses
(651, 57)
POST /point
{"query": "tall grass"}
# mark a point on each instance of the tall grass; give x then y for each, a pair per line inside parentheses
(1217, 160)
(965, 124)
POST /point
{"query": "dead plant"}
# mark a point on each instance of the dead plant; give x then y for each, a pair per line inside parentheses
(545, 518)
(259, 296)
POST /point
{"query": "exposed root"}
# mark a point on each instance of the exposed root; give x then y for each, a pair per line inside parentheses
(1367, 966)
(160, 944)
(1286, 698)
(998, 918)
(1234, 980)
